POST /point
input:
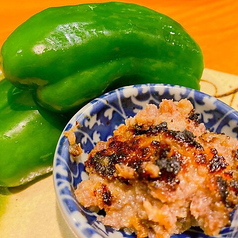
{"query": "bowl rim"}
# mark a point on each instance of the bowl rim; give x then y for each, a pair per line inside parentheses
(62, 207)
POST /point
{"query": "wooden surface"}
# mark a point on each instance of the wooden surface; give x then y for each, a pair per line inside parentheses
(31, 211)
(213, 24)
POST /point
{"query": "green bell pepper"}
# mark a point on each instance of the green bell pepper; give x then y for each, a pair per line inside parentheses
(71, 54)
(28, 136)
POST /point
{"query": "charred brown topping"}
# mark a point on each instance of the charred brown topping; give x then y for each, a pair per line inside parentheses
(152, 130)
(235, 154)
(200, 158)
(144, 151)
(117, 145)
(118, 152)
(124, 150)
(155, 143)
(234, 186)
(223, 188)
(228, 174)
(169, 167)
(162, 149)
(132, 154)
(106, 195)
(103, 194)
(135, 164)
(186, 137)
(103, 164)
(181, 136)
(194, 116)
(217, 163)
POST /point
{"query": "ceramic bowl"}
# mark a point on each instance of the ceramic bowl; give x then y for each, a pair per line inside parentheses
(98, 119)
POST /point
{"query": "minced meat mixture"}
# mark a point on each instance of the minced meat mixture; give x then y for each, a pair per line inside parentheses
(161, 173)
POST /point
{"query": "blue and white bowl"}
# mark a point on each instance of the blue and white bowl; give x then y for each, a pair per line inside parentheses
(98, 120)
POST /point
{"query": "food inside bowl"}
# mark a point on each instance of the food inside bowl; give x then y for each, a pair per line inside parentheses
(161, 173)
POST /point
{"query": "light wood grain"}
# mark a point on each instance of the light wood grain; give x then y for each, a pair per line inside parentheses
(213, 24)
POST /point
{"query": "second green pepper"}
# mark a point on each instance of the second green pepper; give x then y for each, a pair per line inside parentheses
(28, 136)
(69, 55)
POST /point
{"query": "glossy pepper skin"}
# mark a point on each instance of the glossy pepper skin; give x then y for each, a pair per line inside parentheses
(69, 55)
(28, 136)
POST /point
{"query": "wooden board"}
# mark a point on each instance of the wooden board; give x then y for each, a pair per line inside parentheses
(213, 24)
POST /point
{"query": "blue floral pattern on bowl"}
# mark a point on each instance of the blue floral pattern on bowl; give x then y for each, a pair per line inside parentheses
(99, 119)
